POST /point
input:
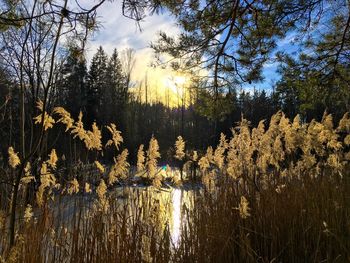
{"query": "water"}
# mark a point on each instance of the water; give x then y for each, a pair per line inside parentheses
(166, 205)
(176, 212)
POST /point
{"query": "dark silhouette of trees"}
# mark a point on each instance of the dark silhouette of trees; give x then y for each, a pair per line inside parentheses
(71, 85)
(116, 94)
(96, 86)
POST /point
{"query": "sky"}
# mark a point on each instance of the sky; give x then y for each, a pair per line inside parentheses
(270, 73)
(117, 31)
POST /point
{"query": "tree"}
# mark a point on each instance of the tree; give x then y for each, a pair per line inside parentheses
(71, 84)
(96, 85)
(318, 79)
(116, 94)
(128, 64)
(8, 106)
(232, 40)
(32, 36)
(235, 44)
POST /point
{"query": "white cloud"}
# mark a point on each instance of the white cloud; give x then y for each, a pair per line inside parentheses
(117, 31)
(271, 64)
(289, 39)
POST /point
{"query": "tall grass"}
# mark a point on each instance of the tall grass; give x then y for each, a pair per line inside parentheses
(306, 222)
(275, 194)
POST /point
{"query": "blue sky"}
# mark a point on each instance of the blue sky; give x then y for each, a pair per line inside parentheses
(270, 73)
(119, 32)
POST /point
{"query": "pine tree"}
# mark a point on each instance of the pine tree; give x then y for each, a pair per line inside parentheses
(72, 83)
(97, 84)
(116, 93)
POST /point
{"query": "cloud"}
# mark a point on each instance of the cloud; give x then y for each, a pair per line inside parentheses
(117, 31)
(289, 39)
(271, 64)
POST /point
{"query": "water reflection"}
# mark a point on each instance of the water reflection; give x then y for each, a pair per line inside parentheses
(155, 208)
(176, 214)
(147, 212)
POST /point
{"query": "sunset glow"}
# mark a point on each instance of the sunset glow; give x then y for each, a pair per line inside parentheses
(176, 84)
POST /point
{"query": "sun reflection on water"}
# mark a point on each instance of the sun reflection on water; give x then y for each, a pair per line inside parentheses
(176, 216)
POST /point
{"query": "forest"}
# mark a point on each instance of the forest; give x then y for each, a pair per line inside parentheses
(221, 162)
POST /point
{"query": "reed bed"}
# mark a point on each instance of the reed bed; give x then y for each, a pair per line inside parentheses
(278, 192)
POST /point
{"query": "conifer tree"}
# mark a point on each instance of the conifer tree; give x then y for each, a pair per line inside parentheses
(96, 86)
(71, 87)
(115, 95)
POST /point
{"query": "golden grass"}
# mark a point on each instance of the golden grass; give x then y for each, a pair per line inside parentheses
(275, 194)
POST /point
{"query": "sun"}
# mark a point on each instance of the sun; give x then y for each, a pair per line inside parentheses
(163, 85)
(176, 84)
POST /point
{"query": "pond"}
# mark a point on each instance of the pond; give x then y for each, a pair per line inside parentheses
(133, 210)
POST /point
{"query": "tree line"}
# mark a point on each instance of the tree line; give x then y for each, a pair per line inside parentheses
(104, 94)
(35, 65)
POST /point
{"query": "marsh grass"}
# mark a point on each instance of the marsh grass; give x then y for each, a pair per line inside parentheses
(276, 194)
(306, 222)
